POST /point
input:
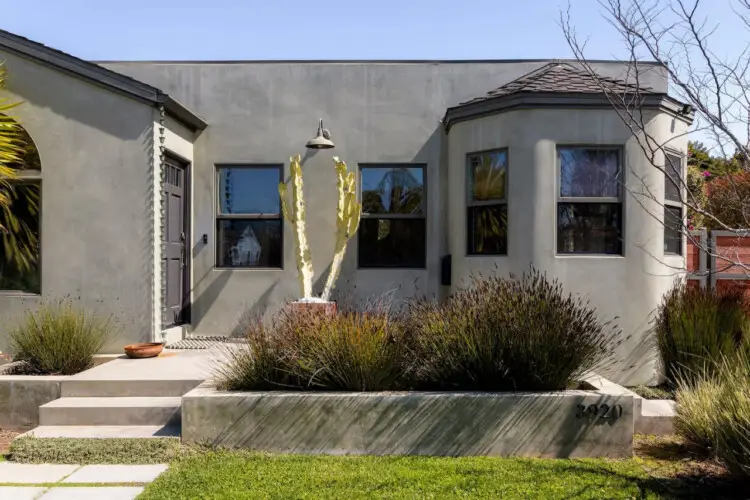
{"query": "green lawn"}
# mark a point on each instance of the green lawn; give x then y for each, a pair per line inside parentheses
(228, 475)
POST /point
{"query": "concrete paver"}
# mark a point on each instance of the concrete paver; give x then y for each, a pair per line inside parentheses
(116, 474)
(93, 493)
(20, 492)
(34, 473)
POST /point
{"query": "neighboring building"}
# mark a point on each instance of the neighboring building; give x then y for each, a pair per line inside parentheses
(537, 172)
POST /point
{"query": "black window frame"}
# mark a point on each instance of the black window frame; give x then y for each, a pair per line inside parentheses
(219, 216)
(30, 175)
(592, 200)
(670, 204)
(471, 203)
(366, 215)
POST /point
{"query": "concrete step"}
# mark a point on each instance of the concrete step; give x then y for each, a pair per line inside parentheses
(103, 431)
(82, 388)
(111, 411)
(657, 417)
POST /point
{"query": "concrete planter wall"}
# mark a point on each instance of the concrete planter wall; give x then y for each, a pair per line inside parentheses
(22, 395)
(596, 423)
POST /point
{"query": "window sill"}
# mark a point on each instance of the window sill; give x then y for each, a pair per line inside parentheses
(485, 255)
(391, 269)
(589, 256)
(18, 293)
(217, 268)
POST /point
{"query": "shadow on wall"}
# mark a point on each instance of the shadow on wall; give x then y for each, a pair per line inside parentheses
(72, 98)
(452, 424)
(349, 287)
(641, 357)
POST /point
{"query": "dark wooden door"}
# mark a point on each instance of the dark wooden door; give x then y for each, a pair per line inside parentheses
(176, 234)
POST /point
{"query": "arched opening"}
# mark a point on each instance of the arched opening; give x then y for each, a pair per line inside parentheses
(20, 201)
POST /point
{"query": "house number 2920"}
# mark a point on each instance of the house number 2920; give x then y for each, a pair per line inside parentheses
(601, 412)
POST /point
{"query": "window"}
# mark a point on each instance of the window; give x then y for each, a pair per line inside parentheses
(589, 207)
(19, 250)
(487, 212)
(672, 204)
(249, 227)
(392, 232)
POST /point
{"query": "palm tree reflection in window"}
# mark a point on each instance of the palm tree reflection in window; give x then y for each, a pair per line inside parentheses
(399, 191)
(393, 229)
(487, 206)
(20, 177)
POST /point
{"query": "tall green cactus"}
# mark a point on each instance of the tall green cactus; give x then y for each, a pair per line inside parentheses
(347, 221)
(295, 214)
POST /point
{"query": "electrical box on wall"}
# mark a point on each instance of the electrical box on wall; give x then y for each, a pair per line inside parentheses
(445, 271)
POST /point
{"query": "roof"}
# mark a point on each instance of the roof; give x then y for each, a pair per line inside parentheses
(363, 61)
(562, 85)
(99, 75)
(561, 77)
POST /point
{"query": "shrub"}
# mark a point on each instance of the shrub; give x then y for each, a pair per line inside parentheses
(695, 326)
(713, 412)
(258, 364)
(353, 351)
(728, 199)
(507, 334)
(60, 338)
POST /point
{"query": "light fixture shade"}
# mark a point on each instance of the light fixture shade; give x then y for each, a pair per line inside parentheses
(322, 139)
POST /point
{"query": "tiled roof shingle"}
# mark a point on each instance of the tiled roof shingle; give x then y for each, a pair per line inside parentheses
(559, 77)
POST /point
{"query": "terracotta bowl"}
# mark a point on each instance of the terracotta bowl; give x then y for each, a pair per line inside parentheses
(144, 350)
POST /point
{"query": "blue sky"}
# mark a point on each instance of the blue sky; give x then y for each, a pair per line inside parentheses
(324, 29)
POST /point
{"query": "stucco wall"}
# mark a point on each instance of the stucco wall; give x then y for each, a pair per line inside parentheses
(264, 112)
(95, 149)
(628, 286)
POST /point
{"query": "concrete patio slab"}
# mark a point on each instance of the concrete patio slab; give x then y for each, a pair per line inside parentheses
(98, 493)
(169, 365)
(116, 474)
(173, 373)
(34, 473)
(21, 492)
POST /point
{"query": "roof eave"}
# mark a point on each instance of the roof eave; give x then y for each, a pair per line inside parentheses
(98, 75)
(182, 114)
(560, 100)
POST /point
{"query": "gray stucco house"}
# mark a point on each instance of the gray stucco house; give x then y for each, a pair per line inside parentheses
(186, 241)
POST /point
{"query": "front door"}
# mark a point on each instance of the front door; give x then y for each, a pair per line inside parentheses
(176, 234)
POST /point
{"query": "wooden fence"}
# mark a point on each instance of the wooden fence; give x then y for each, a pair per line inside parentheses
(719, 259)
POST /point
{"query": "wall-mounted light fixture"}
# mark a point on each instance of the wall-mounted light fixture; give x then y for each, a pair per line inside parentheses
(322, 139)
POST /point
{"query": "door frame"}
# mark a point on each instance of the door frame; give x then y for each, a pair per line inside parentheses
(187, 223)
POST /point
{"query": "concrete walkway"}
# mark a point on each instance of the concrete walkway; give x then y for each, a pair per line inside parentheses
(69, 482)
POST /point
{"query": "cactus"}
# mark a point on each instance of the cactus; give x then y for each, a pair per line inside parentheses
(295, 214)
(347, 221)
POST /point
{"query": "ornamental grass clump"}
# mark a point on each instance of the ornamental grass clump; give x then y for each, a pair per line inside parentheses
(258, 363)
(60, 338)
(696, 326)
(350, 351)
(713, 411)
(302, 349)
(507, 334)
